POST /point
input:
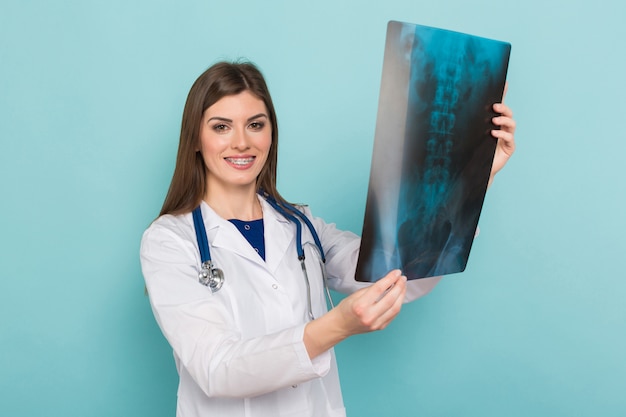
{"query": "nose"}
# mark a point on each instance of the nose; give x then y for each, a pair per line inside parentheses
(239, 140)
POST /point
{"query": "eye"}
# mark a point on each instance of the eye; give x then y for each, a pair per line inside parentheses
(257, 125)
(220, 127)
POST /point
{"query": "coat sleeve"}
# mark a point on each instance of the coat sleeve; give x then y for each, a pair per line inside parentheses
(342, 253)
(203, 333)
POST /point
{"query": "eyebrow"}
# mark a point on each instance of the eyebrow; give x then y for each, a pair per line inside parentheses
(224, 119)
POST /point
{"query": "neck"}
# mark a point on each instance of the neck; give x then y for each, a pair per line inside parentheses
(237, 203)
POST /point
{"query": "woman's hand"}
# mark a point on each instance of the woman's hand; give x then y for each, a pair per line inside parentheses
(505, 136)
(373, 308)
(366, 310)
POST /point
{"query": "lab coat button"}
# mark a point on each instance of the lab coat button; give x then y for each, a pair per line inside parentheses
(294, 386)
(275, 286)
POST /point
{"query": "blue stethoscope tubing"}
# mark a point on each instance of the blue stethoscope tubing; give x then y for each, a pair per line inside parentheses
(213, 277)
(209, 275)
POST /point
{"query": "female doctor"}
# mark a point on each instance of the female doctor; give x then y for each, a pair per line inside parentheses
(254, 337)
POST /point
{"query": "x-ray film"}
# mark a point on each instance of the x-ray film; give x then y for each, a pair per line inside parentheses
(432, 151)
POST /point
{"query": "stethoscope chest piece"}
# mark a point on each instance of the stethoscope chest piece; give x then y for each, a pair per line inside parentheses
(211, 277)
(208, 276)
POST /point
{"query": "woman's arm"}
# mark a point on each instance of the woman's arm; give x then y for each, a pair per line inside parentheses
(366, 310)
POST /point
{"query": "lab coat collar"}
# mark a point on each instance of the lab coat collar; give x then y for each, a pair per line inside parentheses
(278, 236)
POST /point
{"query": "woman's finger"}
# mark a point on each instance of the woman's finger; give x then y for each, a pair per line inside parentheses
(377, 291)
(503, 109)
(395, 298)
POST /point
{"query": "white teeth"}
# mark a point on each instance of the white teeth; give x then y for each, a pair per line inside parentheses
(240, 161)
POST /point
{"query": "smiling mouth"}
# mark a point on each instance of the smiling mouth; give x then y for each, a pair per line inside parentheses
(240, 161)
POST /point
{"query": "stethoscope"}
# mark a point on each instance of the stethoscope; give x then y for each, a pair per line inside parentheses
(213, 277)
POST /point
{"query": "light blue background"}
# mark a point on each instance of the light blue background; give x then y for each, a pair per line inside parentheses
(91, 96)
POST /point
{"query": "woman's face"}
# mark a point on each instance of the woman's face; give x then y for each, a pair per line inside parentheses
(235, 139)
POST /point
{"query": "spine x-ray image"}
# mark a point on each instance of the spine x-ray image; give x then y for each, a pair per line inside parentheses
(432, 152)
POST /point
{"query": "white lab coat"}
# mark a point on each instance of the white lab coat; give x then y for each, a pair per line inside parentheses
(239, 352)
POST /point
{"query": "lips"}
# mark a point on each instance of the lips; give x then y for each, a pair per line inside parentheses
(240, 163)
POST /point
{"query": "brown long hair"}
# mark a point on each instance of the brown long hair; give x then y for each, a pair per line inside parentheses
(189, 180)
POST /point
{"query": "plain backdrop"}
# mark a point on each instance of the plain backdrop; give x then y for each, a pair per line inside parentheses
(91, 97)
